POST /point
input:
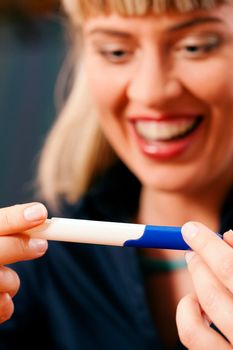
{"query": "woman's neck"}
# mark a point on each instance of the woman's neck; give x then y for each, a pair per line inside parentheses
(163, 208)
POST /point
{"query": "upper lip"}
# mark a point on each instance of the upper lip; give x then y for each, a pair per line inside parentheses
(163, 116)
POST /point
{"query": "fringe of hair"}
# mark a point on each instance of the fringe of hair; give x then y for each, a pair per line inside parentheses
(79, 10)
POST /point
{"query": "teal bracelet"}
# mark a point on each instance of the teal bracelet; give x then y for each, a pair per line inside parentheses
(150, 265)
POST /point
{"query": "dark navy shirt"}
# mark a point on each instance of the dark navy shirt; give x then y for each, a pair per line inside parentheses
(83, 297)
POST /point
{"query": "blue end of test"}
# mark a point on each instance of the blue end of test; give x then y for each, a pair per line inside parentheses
(162, 237)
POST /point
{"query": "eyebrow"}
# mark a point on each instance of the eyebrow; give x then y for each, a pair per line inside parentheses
(193, 22)
(111, 32)
(179, 26)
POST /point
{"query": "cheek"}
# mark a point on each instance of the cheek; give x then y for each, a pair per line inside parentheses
(107, 86)
(108, 92)
(213, 86)
(211, 83)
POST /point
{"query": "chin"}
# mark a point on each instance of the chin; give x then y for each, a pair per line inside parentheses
(166, 180)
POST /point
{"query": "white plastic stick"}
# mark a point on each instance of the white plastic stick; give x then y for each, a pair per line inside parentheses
(87, 231)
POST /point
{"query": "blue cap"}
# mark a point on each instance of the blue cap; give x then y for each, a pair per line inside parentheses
(163, 237)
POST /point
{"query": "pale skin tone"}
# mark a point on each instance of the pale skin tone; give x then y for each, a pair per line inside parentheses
(15, 246)
(168, 65)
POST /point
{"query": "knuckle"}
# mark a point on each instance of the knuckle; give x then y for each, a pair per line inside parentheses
(10, 218)
(5, 220)
(210, 298)
(195, 264)
(19, 245)
(204, 243)
(226, 268)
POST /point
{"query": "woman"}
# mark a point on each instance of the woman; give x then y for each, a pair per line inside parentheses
(145, 137)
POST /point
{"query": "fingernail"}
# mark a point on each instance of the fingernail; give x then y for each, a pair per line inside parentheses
(40, 245)
(189, 230)
(35, 212)
(188, 256)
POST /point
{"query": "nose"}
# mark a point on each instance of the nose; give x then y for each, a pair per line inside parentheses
(154, 83)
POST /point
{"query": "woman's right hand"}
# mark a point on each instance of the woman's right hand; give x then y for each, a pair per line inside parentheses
(16, 246)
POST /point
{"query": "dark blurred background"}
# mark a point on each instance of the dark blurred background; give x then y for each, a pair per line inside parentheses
(32, 50)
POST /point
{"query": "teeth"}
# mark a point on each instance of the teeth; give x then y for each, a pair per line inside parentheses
(162, 131)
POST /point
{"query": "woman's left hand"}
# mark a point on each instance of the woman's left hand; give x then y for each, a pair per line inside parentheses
(211, 267)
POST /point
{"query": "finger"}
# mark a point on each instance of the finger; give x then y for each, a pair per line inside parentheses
(6, 307)
(214, 251)
(9, 281)
(19, 218)
(228, 237)
(193, 328)
(20, 247)
(214, 298)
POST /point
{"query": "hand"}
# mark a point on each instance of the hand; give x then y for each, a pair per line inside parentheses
(211, 268)
(15, 246)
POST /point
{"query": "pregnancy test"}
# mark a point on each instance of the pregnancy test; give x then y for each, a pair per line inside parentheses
(110, 233)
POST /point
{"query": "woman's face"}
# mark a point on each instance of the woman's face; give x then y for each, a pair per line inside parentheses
(163, 86)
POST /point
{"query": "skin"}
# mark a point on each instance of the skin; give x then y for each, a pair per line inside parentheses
(152, 73)
(153, 78)
(14, 246)
(212, 300)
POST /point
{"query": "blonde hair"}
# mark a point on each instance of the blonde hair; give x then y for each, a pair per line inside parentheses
(79, 10)
(76, 150)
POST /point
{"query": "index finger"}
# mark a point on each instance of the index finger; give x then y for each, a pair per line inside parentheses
(20, 217)
(216, 253)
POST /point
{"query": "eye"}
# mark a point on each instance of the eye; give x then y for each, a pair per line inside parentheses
(198, 47)
(201, 48)
(116, 56)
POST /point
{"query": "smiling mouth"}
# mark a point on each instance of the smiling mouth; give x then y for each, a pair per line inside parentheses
(165, 131)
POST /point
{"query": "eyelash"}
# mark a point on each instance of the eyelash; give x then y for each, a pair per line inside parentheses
(197, 50)
(192, 51)
(116, 56)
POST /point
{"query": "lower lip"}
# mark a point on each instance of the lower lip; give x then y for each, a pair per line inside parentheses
(166, 149)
